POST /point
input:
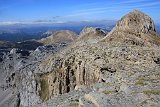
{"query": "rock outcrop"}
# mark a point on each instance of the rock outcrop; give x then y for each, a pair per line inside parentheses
(135, 28)
(136, 22)
(91, 35)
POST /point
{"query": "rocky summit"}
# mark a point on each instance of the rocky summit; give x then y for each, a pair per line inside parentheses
(98, 69)
(136, 22)
(135, 28)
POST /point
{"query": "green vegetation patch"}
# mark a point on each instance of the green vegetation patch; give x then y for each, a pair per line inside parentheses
(140, 82)
(73, 104)
(144, 79)
(152, 92)
(109, 91)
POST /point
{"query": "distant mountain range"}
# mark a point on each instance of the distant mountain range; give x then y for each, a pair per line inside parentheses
(22, 32)
(17, 36)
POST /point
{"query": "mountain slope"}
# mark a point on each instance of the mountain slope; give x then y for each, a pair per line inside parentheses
(63, 36)
(122, 69)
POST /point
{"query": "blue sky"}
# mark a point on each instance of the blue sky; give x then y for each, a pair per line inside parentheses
(59, 11)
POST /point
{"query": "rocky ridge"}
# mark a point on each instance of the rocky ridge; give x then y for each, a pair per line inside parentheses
(121, 69)
(126, 72)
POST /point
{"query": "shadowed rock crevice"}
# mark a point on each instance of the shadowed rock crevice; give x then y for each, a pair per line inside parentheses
(157, 60)
(65, 78)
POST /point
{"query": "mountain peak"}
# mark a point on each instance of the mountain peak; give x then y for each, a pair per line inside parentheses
(137, 11)
(62, 36)
(137, 22)
(135, 28)
(91, 34)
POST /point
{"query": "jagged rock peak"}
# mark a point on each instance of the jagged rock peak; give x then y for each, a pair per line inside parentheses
(91, 33)
(91, 30)
(136, 22)
(135, 28)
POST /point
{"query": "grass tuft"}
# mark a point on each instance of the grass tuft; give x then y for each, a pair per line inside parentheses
(109, 91)
(152, 92)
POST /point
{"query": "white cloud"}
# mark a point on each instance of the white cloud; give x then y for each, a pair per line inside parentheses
(9, 22)
(30, 22)
(114, 7)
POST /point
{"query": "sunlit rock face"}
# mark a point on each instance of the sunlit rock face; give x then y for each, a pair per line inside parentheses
(136, 22)
(135, 28)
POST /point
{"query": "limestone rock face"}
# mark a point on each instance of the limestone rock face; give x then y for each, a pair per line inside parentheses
(18, 80)
(126, 76)
(66, 74)
(136, 22)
